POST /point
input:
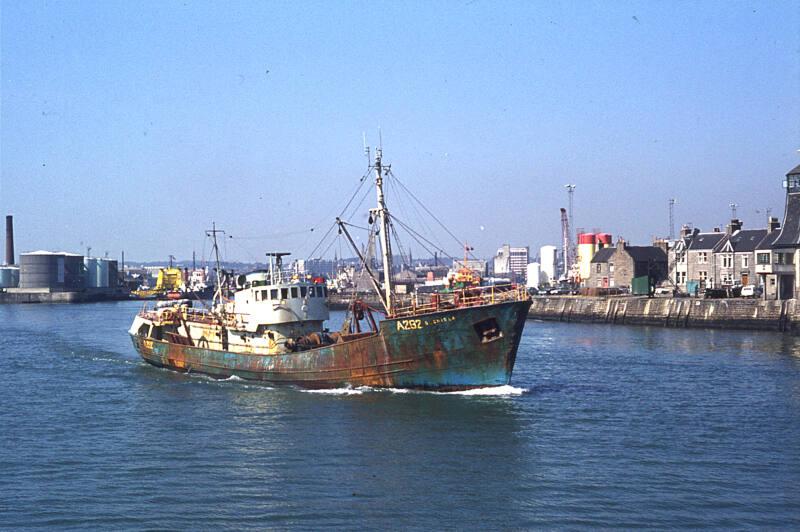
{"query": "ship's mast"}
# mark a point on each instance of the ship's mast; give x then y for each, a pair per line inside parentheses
(213, 234)
(386, 248)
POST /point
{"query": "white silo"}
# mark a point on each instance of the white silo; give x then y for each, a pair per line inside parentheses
(547, 271)
(533, 271)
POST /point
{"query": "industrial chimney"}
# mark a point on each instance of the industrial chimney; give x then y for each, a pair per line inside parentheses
(9, 239)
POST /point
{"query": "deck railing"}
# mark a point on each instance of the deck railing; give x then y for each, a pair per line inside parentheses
(466, 297)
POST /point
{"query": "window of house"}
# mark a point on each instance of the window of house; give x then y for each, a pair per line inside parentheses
(702, 257)
(680, 278)
(762, 258)
(727, 260)
(702, 275)
(597, 269)
(610, 267)
(745, 261)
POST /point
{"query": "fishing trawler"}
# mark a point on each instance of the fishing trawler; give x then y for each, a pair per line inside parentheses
(272, 330)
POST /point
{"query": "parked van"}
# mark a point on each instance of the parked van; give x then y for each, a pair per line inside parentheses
(751, 290)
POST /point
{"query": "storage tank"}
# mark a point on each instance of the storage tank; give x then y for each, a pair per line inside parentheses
(9, 276)
(587, 247)
(42, 269)
(113, 273)
(532, 271)
(74, 271)
(604, 240)
(547, 272)
(92, 269)
(102, 273)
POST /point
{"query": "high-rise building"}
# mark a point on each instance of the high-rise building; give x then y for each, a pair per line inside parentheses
(511, 262)
(518, 262)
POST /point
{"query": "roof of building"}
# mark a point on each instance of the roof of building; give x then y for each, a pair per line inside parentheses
(789, 235)
(794, 171)
(646, 253)
(767, 241)
(747, 240)
(604, 255)
(705, 241)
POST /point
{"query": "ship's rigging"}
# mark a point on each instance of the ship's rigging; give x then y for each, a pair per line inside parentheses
(386, 227)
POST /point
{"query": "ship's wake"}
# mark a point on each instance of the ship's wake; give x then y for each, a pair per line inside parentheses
(498, 391)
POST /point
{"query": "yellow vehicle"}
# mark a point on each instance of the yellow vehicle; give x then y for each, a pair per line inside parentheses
(169, 280)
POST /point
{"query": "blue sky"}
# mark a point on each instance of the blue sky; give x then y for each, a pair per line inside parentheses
(133, 125)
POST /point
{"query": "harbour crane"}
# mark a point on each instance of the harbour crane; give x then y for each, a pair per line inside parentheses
(565, 243)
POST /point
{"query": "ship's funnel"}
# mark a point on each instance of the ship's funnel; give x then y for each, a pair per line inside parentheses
(9, 239)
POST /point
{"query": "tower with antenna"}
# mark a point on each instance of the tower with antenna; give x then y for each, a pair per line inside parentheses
(733, 207)
(672, 202)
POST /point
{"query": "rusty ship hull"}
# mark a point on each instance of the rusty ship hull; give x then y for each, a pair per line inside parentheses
(448, 350)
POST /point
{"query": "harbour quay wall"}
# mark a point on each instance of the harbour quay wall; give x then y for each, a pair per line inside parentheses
(44, 295)
(671, 312)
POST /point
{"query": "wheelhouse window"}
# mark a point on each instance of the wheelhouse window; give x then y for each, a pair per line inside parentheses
(294, 292)
(284, 293)
(311, 291)
(303, 290)
(320, 292)
(273, 294)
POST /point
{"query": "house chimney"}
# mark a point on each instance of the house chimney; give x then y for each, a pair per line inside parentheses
(621, 244)
(9, 239)
(773, 224)
(735, 225)
(686, 231)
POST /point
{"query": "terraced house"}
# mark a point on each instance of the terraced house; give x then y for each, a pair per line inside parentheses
(767, 257)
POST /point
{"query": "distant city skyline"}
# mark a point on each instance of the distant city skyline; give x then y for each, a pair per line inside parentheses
(133, 126)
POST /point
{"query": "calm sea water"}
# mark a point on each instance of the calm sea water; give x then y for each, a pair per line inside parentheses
(603, 426)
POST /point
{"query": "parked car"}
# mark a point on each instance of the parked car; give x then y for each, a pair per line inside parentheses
(559, 291)
(751, 290)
